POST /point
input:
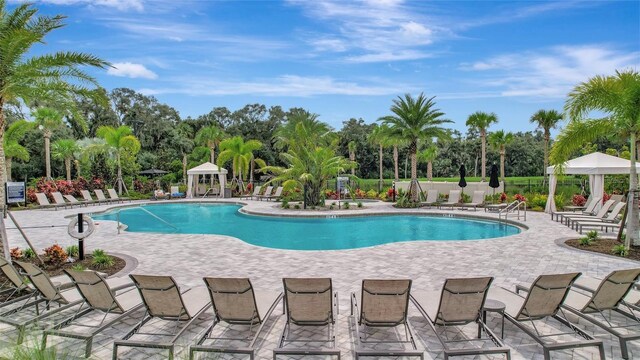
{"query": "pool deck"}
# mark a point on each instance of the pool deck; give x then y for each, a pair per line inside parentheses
(511, 260)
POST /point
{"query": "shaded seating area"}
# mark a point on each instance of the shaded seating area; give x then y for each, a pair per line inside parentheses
(194, 174)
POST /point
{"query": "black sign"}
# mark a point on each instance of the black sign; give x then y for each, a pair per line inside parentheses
(15, 192)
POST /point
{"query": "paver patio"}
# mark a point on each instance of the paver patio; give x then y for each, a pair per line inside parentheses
(511, 260)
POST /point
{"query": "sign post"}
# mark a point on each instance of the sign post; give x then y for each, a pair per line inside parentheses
(81, 240)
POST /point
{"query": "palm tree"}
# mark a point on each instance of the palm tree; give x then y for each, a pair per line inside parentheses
(429, 155)
(184, 142)
(499, 141)
(415, 120)
(380, 136)
(546, 120)
(240, 153)
(210, 136)
(352, 155)
(481, 121)
(618, 97)
(65, 149)
(47, 120)
(12, 148)
(119, 141)
(303, 129)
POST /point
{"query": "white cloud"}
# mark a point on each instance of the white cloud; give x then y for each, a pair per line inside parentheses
(551, 72)
(122, 5)
(388, 56)
(131, 70)
(286, 85)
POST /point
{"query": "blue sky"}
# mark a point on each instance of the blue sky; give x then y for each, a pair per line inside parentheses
(343, 59)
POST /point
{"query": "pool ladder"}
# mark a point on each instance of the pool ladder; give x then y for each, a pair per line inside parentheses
(152, 215)
(517, 207)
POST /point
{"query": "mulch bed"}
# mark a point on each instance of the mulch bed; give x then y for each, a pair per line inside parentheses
(604, 246)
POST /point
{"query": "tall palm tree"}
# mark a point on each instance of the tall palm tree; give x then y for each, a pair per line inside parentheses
(210, 136)
(303, 129)
(379, 136)
(184, 142)
(240, 153)
(415, 120)
(499, 140)
(481, 121)
(119, 141)
(429, 155)
(45, 77)
(546, 120)
(618, 97)
(65, 149)
(12, 148)
(47, 120)
(352, 155)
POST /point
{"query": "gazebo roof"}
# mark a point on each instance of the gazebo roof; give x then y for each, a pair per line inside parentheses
(596, 163)
(206, 168)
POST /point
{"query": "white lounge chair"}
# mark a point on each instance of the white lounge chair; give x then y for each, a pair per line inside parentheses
(453, 200)
(43, 201)
(432, 198)
(477, 200)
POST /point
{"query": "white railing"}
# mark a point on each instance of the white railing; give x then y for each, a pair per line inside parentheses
(517, 207)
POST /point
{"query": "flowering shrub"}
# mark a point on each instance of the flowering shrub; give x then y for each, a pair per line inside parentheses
(372, 194)
(503, 197)
(520, 197)
(16, 253)
(63, 186)
(606, 197)
(330, 194)
(391, 193)
(144, 186)
(55, 255)
(249, 187)
(359, 193)
(578, 200)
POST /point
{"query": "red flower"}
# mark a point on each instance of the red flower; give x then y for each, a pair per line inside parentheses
(578, 200)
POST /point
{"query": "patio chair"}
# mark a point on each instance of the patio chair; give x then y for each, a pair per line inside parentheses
(98, 296)
(574, 208)
(164, 301)
(476, 201)
(590, 209)
(453, 200)
(383, 304)
(43, 201)
(73, 201)
(609, 296)
(86, 195)
(48, 294)
(432, 198)
(611, 220)
(256, 193)
(276, 194)
(14, 288)
(235, 302)
(591, 284)
(309, 302)
(175, 192)
(617, 197)
(59, 200)
(114, 196)
(459, 303)
(267, 193)
(101, 198)
(604, 210)
(543, 301)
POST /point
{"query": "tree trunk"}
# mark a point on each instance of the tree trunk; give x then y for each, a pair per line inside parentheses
(119, 180)
(184, 169)
(77, 163)
(632, 215)
(547, 137)
(3, 180)
(414, 172)
(47, 156)
(253, 165)
(67, 165)
(395, 162)
(352, 157)
(312, 194)
(483, 135)
(380, 168)
(430, 170)
(212, 151)
(502, 156)
(8, 168)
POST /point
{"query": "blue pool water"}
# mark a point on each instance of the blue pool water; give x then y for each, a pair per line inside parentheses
(302, 234)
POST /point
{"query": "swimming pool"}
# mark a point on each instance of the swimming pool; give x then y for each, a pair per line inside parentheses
(302, 234)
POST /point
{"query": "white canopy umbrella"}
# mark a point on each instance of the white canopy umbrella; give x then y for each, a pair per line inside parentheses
(596, 165)
(206, 169)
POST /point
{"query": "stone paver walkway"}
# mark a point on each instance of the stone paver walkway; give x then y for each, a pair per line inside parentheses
(511, 260)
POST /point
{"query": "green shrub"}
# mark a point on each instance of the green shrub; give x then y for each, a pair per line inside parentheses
(372, 194)
(78, 267)
(346, 205)
(465, 198)
(73, 251)
(592, 235)
(102, 261)
(98, 253)
(537, 200)
(585, 241)
(28, 253)
(285, 204)
(331, 207)
(359, 204)
(296, 206)
(620, 250)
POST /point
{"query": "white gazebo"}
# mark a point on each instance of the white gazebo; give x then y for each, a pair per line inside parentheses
(596, 165)
(205, 169)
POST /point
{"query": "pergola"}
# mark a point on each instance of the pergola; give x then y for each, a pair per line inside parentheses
(596, 165)
(206, 169)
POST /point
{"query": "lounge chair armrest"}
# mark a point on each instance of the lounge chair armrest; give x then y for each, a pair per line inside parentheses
(521, 288)
(354, 304)
(336, 303)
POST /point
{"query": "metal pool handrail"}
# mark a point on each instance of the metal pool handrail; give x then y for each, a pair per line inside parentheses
(514, 206)
(153, 215)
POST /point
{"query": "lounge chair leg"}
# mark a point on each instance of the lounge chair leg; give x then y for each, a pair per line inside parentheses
(21, 331)
(44, 341)
(88, 347)
(547, 356)
(115, 352)
(623, 349)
